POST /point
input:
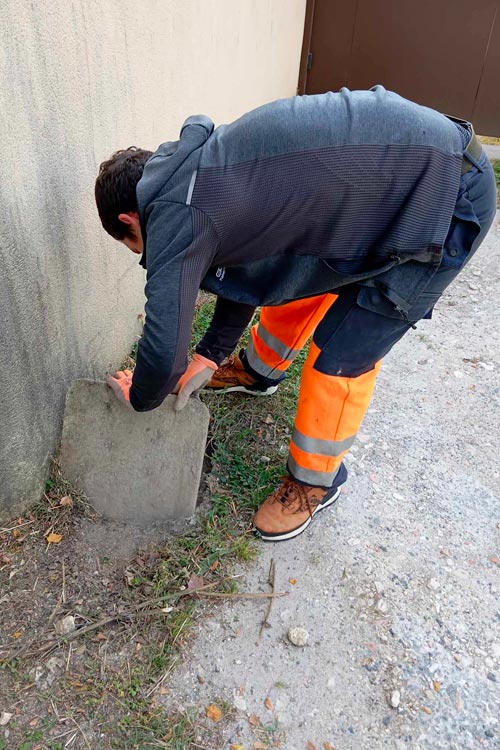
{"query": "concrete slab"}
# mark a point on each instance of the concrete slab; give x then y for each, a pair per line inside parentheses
(140, 468)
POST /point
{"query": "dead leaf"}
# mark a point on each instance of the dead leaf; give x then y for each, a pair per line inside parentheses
(254, 720)
(268, 704)
(214, 565)
(437, 686)
(213, 712)
(268, 419)
(426, 709)
(5, 717)
(5, 559)
(16, 533)
(293, 581)
(311, 745)
(102, 637)
(328, 746)
(66, 500)
(236, 747)
(195, 582)
(129, 577)
(495, 560)
(259, 745)
(54, 538)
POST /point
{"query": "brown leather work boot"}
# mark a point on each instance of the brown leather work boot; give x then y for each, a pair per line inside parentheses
(232, 377)
(290, 509)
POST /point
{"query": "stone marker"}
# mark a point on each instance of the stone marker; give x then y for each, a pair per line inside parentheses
(136, 467)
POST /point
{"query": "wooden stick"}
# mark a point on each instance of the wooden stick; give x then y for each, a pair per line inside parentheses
(17, 526)
(48, 647)
(271, 578)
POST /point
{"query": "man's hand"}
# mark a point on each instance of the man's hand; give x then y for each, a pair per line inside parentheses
(197, 375)
(120, 382)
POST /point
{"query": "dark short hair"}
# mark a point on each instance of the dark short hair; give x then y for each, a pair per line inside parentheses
(115, 188)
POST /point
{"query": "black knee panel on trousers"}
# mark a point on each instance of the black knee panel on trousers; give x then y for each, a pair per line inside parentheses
(356, 332)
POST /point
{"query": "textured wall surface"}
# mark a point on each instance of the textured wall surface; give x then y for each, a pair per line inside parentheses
(79, 79)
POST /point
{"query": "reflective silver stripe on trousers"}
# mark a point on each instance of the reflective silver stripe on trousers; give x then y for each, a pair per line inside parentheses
(318, 445)
(316, 478)
(282, 350)
(191, 187)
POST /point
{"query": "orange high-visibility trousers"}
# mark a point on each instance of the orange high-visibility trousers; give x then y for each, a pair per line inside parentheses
(331, 407)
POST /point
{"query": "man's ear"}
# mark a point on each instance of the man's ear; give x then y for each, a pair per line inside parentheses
(132, 221)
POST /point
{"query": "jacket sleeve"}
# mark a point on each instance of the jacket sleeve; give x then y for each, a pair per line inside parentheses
(177, 259)
(228, 323)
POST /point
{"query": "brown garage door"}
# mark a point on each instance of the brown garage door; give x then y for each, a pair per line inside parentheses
(442, 53)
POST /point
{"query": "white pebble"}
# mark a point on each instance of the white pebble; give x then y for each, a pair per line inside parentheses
(298, 636)
(395, 698)
(240, 703)
(66, 625)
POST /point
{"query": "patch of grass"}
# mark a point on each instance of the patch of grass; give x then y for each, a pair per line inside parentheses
(144, 727)
(271, 735)
(489, 140)
(57, 487)
(247, 448)
(37, 738)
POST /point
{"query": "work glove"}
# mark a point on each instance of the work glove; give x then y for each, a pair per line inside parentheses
(199, 372)
(120, 383)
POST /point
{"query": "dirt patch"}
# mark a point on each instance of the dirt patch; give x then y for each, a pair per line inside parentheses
(94, 615)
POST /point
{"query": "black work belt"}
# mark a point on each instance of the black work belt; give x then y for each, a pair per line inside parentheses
(471, 154)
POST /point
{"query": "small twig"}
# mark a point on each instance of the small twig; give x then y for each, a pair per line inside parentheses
(63, 583)
(63, 734)
(54, 612)
(138, 612)
(71, 739)
(271, 579)
(54, 708)
(48, 500)
(69, 656)
(162, 679)
(81, 731)
(103, 664)
(59, 518)
(258, 595)
(17, 526)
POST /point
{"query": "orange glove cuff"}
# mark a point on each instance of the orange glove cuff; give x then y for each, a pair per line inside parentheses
(197, 365)
(206, 362)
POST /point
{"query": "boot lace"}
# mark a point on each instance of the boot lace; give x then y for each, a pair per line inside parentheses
(226, 371)
(291, 492)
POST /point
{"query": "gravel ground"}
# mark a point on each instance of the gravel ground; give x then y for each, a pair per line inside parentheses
(397, 585)
(492, 151)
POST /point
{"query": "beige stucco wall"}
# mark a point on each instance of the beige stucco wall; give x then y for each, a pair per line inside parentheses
(79, 79)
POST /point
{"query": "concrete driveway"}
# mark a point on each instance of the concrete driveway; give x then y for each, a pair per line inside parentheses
(398, 585)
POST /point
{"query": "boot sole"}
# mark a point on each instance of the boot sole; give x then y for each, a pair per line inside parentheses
(242, 389)
(266, 537)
